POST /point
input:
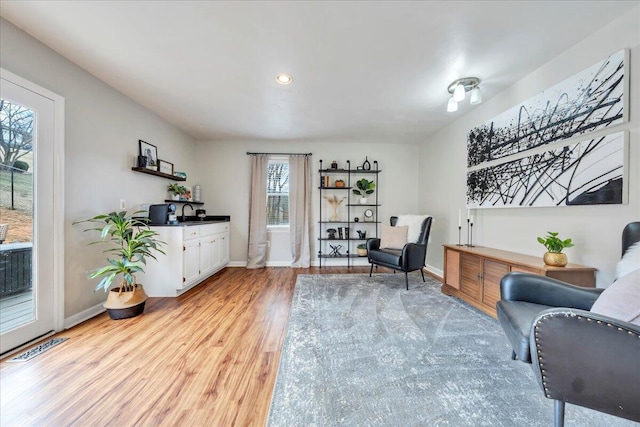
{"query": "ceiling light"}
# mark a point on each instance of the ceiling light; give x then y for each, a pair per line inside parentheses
(458, 93)
(476, 96)
(459, 88)
(284, 79)
(452, 105)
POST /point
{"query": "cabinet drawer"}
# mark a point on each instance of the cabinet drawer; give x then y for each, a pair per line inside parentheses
(209, 229)
(192, 232)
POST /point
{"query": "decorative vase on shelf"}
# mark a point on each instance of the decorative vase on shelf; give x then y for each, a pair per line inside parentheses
(363, 200)
(173, 196)
(555, 259)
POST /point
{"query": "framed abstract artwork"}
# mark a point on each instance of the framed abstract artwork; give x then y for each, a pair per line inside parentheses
(529, 147)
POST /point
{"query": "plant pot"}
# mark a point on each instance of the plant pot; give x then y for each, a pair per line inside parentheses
(173, 196)
(363, 200)
(556, 259)
(123, 305)
(361, 252)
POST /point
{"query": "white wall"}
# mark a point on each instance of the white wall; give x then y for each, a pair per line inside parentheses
(225, 177)
(596, 230)
(102, 129)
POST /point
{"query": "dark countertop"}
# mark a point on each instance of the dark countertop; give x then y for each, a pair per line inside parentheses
(194, 220)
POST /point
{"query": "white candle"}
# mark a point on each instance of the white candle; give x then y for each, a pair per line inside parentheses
(471, 219)
(468, 213)
(459, 217)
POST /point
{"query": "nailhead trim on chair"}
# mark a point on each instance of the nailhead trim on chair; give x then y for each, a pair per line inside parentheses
(572, 315)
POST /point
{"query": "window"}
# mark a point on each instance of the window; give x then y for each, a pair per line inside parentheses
(278, 193)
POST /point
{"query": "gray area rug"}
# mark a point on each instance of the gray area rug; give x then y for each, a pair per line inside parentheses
(363, 351)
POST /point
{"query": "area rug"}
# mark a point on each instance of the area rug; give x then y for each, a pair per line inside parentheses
(363, 351)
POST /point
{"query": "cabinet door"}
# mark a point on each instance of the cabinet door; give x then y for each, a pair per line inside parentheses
(215, 250)
(470, 277)
(224, 248)
(206, 258)
(493, 272)
(191, 260)
(452, 268)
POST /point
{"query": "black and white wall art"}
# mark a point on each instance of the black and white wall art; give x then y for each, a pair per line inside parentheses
(536, 153)
(589, 172)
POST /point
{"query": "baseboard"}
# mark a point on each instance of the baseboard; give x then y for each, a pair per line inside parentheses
(435, 272)
(278, 264)
(237, 264)
(87, 314)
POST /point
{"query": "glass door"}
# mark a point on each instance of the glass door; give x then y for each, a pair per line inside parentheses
(26, 215)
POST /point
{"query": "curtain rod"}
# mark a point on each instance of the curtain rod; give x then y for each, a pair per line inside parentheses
(281, 154)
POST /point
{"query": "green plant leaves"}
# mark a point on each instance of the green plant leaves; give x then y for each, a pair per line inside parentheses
(553, 243)
(365, 187)
(130, 240)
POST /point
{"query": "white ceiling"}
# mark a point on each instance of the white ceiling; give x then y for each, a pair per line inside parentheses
(363, 70)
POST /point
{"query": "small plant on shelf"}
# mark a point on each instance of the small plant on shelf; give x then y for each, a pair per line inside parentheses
(555, 245)
(361, 249)
(364, 188)
(176, 190)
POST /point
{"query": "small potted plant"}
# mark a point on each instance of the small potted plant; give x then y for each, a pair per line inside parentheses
(555, 245)
(130, 241)
(361, 249)
(364, 188)
(176, 190)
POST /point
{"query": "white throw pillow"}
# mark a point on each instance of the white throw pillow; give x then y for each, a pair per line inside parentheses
(621, 300)
(414, 222)
(629, 262)
(393, 237)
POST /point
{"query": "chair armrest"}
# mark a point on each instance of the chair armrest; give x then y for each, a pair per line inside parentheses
(413, 256)
(588, 359)
(373, 244)
(546, 291)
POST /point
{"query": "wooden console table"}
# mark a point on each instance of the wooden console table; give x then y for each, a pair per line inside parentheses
(473, 274)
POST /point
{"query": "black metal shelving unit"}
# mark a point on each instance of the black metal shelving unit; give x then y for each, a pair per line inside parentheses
(352, 212)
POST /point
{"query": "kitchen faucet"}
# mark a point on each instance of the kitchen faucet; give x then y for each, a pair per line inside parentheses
(184, 206)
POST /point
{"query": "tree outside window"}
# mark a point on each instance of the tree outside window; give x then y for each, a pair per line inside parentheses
(278, 193)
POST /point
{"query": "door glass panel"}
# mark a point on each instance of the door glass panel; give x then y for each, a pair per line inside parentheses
(16, 215)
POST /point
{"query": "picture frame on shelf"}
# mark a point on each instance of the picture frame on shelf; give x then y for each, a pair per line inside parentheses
(150, 151)
(165, 167)
(188, 196)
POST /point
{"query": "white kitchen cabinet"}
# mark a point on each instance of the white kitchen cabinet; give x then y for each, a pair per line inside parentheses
(193, 253)
(191, 261)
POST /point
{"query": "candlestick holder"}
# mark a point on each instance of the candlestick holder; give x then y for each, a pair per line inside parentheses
(468, 232)
(459, 235)
(470, 235)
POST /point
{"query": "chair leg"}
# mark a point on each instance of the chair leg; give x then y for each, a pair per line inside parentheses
(558, 413)
(406, 279)
(513, 355)
(422, 272)
(371, 271)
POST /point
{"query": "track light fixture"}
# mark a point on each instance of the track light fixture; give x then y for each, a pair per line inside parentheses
(458, 90)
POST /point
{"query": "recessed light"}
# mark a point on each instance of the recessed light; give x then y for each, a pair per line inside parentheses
(284, 79)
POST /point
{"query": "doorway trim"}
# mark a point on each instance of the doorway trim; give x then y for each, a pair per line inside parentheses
(58, 190)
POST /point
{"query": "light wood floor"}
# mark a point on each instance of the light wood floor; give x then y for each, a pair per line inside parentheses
(206, 358)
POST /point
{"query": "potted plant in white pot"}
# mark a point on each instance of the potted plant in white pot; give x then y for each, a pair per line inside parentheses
(365, 187)
(555, 245)
(176, 190)
(130, 241)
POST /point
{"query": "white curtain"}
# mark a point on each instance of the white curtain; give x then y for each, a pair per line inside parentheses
(257, 253)
(300, 210)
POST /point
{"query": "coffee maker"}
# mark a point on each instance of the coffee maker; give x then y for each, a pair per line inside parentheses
(162, 214)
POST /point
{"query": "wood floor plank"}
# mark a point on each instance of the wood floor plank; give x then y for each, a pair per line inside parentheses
(209, 357)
